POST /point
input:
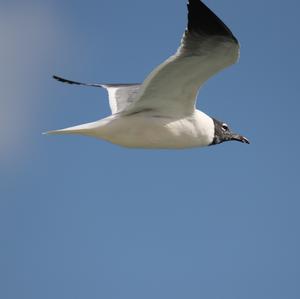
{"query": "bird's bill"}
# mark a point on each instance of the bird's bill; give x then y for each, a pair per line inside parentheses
(240, 138)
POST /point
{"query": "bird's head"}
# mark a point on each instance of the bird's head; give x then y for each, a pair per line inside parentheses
(223, 133)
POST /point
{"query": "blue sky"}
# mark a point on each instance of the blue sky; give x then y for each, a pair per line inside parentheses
(81, 218)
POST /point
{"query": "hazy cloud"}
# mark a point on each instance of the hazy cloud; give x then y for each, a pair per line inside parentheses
(28, 35)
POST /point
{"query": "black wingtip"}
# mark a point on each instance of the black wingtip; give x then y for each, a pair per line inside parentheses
(203, 21)
(60, 79)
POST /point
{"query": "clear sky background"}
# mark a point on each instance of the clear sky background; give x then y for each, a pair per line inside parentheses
(81, 218)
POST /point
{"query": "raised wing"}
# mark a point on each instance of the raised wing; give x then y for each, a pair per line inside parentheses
(120, 95)
(207, 47)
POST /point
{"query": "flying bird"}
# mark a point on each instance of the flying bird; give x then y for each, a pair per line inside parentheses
(161, 112)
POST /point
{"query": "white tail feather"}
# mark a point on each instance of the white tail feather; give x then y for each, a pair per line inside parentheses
(84, 129)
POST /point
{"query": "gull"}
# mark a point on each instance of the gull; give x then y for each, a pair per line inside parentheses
(161, 113)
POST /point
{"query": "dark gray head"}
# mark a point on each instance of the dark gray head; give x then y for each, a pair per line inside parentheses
(223, 133)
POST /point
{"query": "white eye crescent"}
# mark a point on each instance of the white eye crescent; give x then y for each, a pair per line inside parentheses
(225, 127)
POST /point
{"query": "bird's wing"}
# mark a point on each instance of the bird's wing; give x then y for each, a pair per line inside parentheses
(207, 47)
(120, 95)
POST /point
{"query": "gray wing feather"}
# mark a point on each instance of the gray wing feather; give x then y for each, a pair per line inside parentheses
(120, 95)
(207, 47)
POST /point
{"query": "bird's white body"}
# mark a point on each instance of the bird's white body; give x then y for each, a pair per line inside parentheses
(160, 112)
(147, 130)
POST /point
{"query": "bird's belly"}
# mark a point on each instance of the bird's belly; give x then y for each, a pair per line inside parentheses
(154, 132)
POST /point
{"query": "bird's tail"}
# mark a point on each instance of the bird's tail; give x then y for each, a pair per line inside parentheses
(84, 129)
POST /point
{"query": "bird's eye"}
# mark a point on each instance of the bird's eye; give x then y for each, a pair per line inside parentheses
(225, 127)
